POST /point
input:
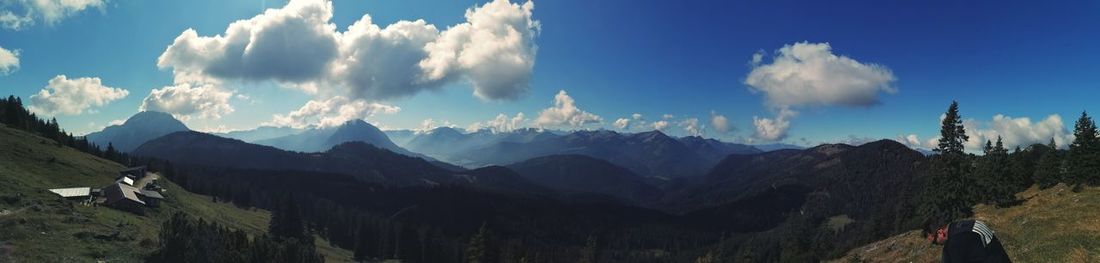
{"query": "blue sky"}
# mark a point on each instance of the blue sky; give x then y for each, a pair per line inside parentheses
(616, 58)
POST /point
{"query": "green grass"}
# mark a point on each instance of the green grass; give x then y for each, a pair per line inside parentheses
(36, 226)
(1053, 225)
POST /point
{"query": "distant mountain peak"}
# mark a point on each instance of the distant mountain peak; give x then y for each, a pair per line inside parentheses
(444, 130)
(889, 145)
(154, 117)
(137, 129)
(653, 135)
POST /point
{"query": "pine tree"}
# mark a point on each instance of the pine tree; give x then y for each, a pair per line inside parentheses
(1023, 166)
(477, 250)
(948, 192)
(286, 221)
(1084, 153)
(111, 153)
(999, 182)
(1049, 171)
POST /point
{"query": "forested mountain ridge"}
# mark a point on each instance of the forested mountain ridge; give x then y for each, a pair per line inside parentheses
(363, 161)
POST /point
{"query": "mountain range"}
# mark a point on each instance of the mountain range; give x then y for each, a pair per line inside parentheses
(321, 139)
(364, 162)
(650, 154)
(688, 186)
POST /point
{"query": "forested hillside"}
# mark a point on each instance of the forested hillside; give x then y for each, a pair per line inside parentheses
(39, 226)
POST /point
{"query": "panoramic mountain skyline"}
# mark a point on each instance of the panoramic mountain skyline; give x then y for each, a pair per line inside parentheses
(805, 73)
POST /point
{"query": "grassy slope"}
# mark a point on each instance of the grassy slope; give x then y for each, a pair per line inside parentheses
(37, 227)
(1054, 225)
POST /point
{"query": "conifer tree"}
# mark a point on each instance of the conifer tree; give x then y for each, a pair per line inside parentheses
(111, 153)
(948, 191)
(1084, 153)
(1001, 187)
(1049, 171)
(286, 221)
(477, 251)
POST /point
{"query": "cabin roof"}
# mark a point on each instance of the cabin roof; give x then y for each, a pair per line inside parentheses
(72, 192)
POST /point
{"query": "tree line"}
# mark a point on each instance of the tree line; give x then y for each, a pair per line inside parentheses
(14, 115)
(445, 223)
(183, 239)
(958, 180)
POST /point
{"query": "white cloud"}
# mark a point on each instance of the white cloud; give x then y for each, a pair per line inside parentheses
(330, 112)
(773, 129)
(810, 74)
(431, 124)
(667, 116)
(1017, 131)
(565, 113)
(719, 122)
(495, 49)
(502, 123)
(912, 140)
(49, 11)
(660, 125)
(186, 100)
(1013, 131)
(636, 116)
(299, 46)
(116, 122)
(384, 62)
(692, 126)
(622, 123)
(72, 96)
(9, 61)
(852, 140)
(292, 44)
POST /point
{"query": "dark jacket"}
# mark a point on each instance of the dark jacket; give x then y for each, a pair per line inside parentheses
(972, 241)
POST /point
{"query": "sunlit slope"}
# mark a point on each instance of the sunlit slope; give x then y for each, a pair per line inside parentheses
(1053, 225)
(35, 226)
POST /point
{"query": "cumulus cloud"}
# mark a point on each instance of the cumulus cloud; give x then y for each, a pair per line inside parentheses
(622, 123)
(495, 49)
(384, 62)
(330, 112)
(692, 126)
(20, 14)
(719, 122)
(565, 113)
(773, 129)
(1017, 131)
(9, 61)
(1014, 132)
(430, 124)
(911, 140)
(810, 74)
(185, 101)
(502, 123)
(634, 122)
(660, 125)
(299, 45)
(72, 96)
(294, 44)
